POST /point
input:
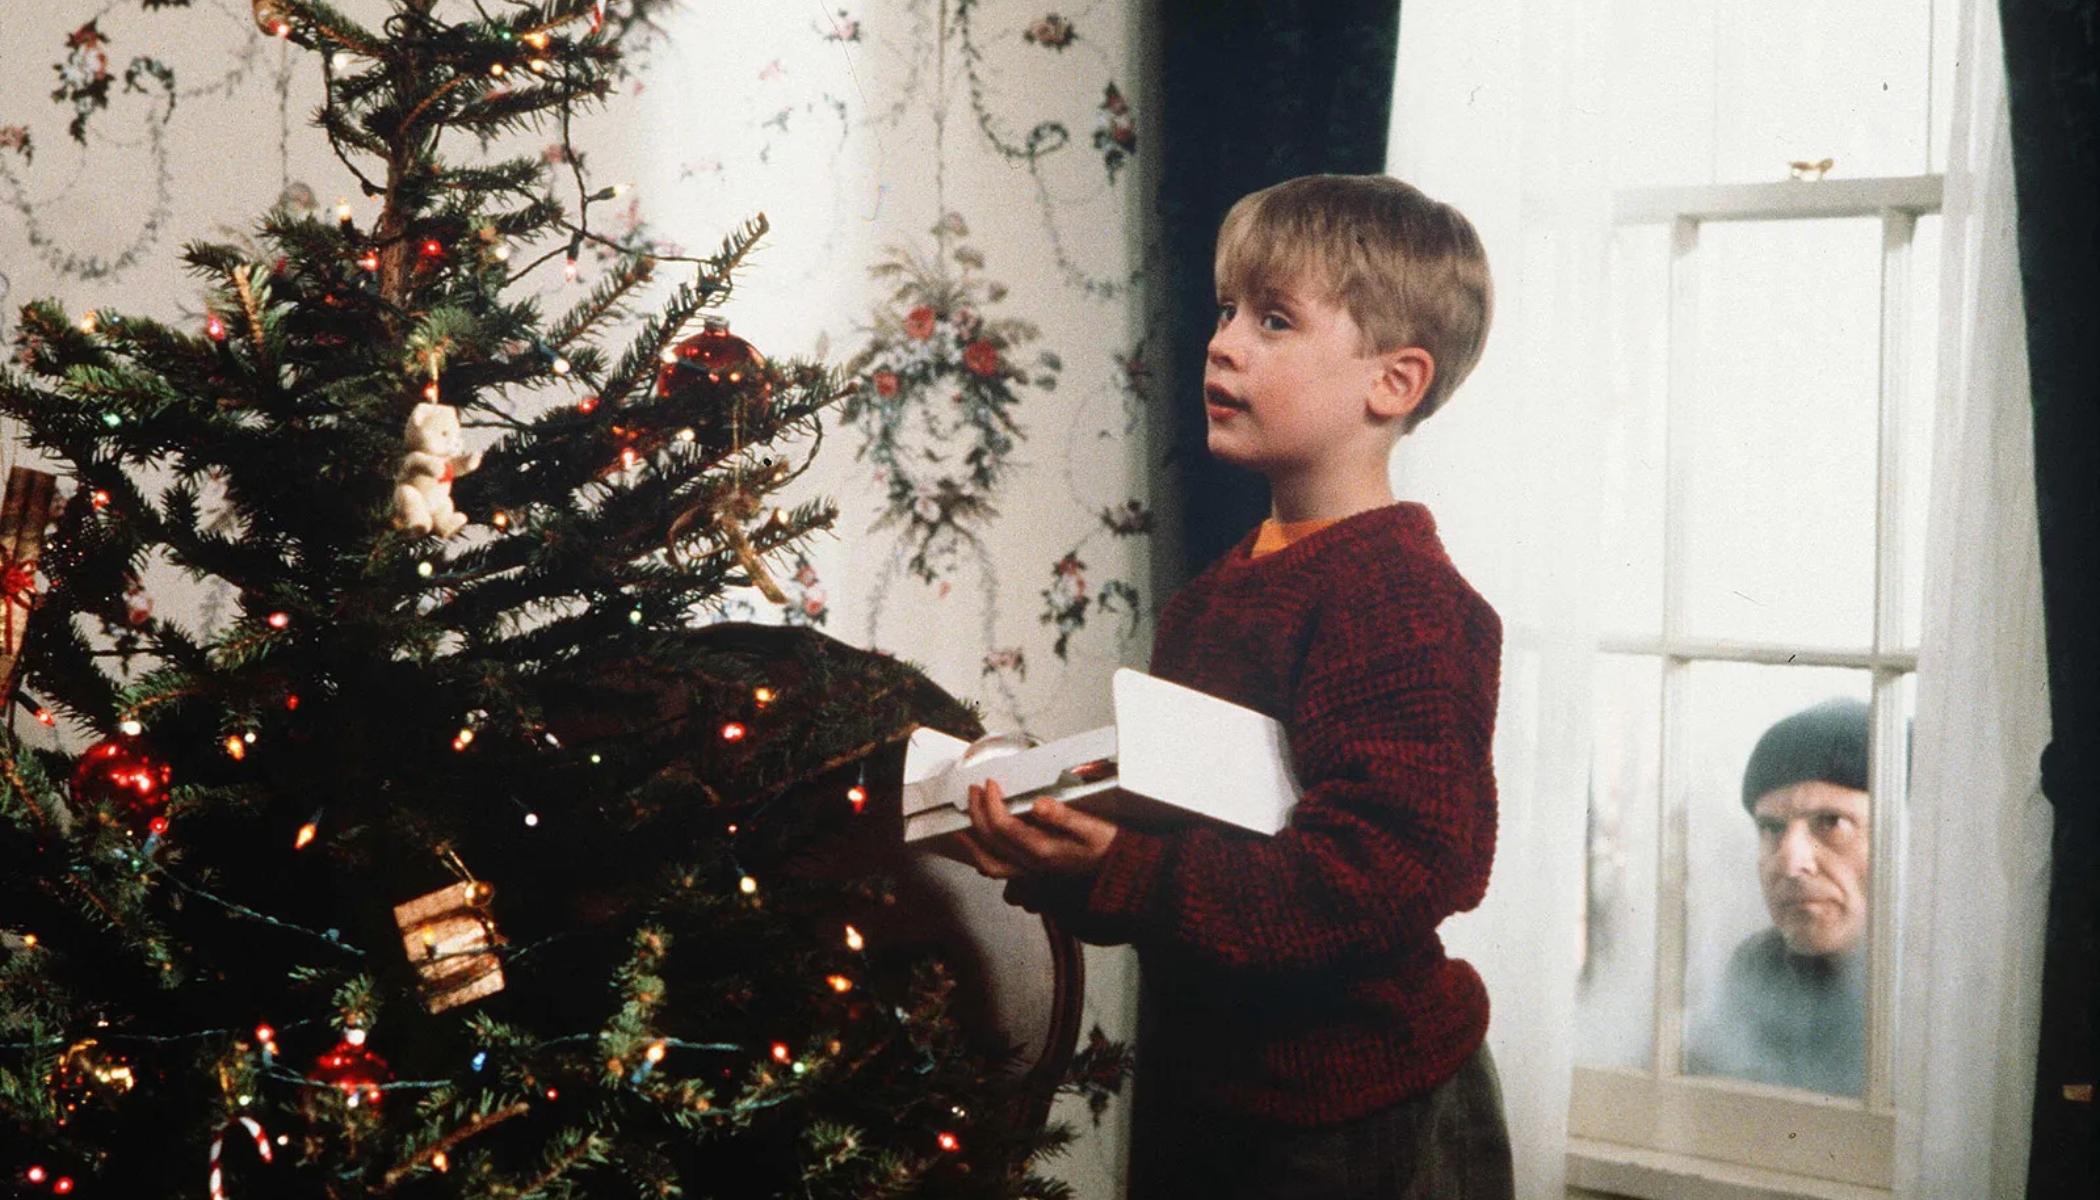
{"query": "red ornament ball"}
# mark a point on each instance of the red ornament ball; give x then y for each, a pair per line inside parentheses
(352, 1070)
(701, 365)
(121, 774)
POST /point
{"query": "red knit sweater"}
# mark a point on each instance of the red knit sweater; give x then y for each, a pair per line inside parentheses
(1299, 979)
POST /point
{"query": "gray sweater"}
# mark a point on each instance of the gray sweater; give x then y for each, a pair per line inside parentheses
(1787, 1019)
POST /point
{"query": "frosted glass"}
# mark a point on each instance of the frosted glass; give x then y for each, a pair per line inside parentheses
(1780, 433)
(1729, 706)
(1615, 994)
(1631, 472)
(1808, 79)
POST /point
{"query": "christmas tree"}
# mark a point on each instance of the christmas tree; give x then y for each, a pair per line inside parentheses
(471, 854)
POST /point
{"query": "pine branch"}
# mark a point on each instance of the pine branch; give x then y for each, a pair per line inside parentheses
(449, 1142)
(606, 301)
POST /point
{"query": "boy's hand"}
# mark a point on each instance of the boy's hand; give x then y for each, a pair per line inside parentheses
(1052, 839)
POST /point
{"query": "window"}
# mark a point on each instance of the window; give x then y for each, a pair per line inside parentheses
(1772, 335)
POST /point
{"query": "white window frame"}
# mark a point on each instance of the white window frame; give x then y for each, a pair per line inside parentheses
(1657, 1132)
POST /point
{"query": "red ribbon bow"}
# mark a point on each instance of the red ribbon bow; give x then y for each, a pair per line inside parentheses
(17, 586)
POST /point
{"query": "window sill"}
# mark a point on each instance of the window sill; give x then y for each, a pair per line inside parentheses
(1784, 1133)
(1651, 1175)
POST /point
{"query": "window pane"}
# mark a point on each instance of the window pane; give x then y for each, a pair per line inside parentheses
(1615, 999)
(1920, 400)
(1775, 983)
(1808, 79)
(1780, 433)
(1631, 534)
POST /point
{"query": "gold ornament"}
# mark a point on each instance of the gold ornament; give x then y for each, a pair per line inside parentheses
(31, 504)
(730, 514)
(272, 17)
(89, 1074)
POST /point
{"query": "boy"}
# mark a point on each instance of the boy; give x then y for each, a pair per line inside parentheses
(1301, 1031)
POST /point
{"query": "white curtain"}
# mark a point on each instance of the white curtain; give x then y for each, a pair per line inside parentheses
(1499, 108)
(1496, 113)
(1977, 865)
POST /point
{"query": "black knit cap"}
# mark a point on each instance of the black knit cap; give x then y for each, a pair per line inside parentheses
(1827, 743)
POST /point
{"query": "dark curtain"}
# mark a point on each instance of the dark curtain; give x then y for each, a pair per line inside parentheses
(2052, 63)
(1254, 92)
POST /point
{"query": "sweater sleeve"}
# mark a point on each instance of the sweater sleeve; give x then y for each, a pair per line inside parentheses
(1391, 727)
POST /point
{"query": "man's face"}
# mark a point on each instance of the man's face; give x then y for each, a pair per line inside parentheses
(1812, 849)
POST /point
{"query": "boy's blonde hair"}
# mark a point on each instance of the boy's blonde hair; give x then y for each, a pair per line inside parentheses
(1409, 270)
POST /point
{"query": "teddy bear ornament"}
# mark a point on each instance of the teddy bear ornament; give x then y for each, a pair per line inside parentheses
(423, 497)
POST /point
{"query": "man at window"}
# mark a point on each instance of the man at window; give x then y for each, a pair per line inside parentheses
(1791, 1006)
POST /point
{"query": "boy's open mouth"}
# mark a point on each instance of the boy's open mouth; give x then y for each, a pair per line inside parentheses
(1217, 397)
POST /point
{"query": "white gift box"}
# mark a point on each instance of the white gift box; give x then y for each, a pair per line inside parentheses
(1174, 756)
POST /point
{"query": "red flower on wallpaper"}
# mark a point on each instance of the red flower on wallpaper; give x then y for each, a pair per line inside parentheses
(981, 357)
(1115, 129)
(935, 396)
(1051, 31)
(87, 37)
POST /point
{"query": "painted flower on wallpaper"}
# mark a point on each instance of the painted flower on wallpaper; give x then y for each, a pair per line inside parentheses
(1071, 598)
(16, 138)
(1137, 373)
(934, 398)
(807, 603)
(1007, 660)
(87, 59)
(1115, 130)
(982, 357)
(1049, 31)
(1068, 580)
(1128, 519)
(84, 76)
(920, 322)
(1067, 602)
(843, 27)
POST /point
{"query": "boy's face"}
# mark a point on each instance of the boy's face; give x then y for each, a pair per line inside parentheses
(1286, 383)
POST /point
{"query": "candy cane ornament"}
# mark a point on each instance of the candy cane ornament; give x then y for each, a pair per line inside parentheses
(262, 1148)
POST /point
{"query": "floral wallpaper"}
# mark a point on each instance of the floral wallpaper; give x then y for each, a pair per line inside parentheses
(959, 197)
(959, 200)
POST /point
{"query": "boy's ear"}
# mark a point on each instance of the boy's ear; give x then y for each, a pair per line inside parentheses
(1403, 379)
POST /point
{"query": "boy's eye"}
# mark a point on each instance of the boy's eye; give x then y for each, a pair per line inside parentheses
(1226, 311)
(1275, 322)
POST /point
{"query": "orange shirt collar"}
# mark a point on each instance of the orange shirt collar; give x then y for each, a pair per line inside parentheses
(1275, 535)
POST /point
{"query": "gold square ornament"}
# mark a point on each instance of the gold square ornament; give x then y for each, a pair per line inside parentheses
(451, 938)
